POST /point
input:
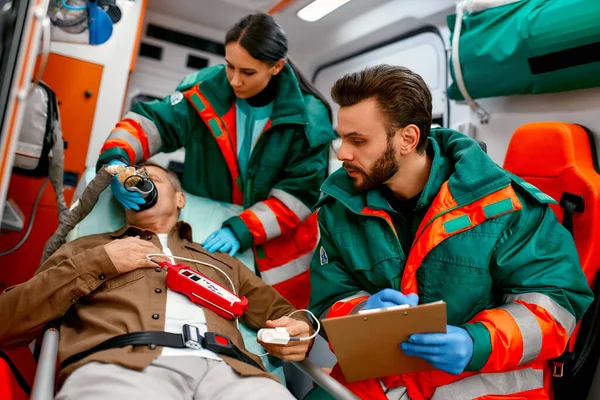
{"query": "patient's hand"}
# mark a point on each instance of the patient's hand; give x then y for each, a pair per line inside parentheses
(294, 350)
(130, 253)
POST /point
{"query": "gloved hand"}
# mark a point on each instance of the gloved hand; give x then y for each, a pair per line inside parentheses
(222, 240)
(450, 351)
(130, 200)
(389, 298)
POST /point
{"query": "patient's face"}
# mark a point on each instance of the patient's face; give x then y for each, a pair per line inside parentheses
(169, 200)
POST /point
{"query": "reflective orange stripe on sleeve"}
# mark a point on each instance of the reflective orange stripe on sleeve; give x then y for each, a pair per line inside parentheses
(135, 129)
(120, 143)
(348, 306)
(254, 225)
(273, 216)
(286, 218)
(554, 336)
(505, 337)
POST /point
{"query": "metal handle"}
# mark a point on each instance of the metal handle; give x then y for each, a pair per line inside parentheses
(328, 383)
(43, 386)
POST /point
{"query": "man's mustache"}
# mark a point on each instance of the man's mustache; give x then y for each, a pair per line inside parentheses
(349, 167)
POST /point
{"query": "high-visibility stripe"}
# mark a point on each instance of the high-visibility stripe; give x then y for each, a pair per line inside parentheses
(255, 225)
(560, 315)
(135, 129)
(134, 144)
(267, 218)
(362, 293)
(274, 216)
(500, 383)
(150, 129)
(440, 227)
(285, 218)
(349, 305)
(221, 132)
(122, 144)
(524, 330)
(284, 248)
(291, 202)
(505, 338)
(289, 270)
(531, 333)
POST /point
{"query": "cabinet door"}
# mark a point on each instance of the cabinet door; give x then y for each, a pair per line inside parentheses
(76, 84)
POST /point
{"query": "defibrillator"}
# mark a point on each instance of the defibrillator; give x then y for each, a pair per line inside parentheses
(203, 291)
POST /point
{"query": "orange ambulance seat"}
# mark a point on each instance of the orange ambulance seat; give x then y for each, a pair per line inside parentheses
(561, 158)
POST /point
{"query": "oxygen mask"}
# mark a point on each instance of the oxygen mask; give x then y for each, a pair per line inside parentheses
(135, 179)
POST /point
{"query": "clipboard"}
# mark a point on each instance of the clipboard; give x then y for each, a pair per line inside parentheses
(368, 345)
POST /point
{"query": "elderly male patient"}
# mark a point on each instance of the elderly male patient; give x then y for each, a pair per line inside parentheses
(102, 286)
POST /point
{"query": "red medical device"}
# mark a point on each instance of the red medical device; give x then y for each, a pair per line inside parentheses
(203, 291)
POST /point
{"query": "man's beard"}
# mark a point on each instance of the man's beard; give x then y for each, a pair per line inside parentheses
(382, 170)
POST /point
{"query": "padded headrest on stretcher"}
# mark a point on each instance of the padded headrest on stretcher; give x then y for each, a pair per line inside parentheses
(557, 157)
(204, 215)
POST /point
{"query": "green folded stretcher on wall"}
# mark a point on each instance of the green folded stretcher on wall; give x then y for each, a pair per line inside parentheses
(523, 47)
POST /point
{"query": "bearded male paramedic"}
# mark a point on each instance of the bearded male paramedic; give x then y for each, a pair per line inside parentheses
(418, 215)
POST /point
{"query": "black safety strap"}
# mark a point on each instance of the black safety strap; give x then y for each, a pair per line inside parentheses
(563, 366)
(219, 344)
(578, 375)
(571, 203)
(16, 373)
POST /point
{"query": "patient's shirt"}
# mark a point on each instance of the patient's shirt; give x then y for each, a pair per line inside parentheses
(180, 311)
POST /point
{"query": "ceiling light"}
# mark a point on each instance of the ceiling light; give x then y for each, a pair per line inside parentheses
(319, 8)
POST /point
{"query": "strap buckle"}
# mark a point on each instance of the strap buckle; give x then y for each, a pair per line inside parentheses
(558, 363)
(191, 337)
(558, 369)
(219, 344)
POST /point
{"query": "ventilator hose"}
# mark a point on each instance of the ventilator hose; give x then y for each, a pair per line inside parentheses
(79, 212)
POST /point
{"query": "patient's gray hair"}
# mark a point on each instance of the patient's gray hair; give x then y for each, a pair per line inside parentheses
(173, 179)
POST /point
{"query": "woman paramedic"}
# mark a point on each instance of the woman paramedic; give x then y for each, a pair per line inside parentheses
(255, 134)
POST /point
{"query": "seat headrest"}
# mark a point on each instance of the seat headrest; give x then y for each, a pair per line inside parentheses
(547, 149)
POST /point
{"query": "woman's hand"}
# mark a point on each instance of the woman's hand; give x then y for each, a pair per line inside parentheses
(222, 240)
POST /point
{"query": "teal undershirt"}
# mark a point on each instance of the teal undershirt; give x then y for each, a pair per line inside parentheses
(250, 122)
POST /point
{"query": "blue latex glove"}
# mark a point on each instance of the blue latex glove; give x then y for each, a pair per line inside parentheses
(450, 351)
(389, 298)
(222, 240)
(130, 200)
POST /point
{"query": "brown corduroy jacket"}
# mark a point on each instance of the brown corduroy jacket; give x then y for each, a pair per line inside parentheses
(80, 285)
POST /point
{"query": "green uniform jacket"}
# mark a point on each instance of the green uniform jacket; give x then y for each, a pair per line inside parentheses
(289, 157)
(525, 251)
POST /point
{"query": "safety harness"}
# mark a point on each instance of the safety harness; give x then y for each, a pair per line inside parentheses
(190, 338)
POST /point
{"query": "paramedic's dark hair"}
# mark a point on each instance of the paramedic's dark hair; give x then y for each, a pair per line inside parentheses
(402, 96)
(265, 40)
(173, 179)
